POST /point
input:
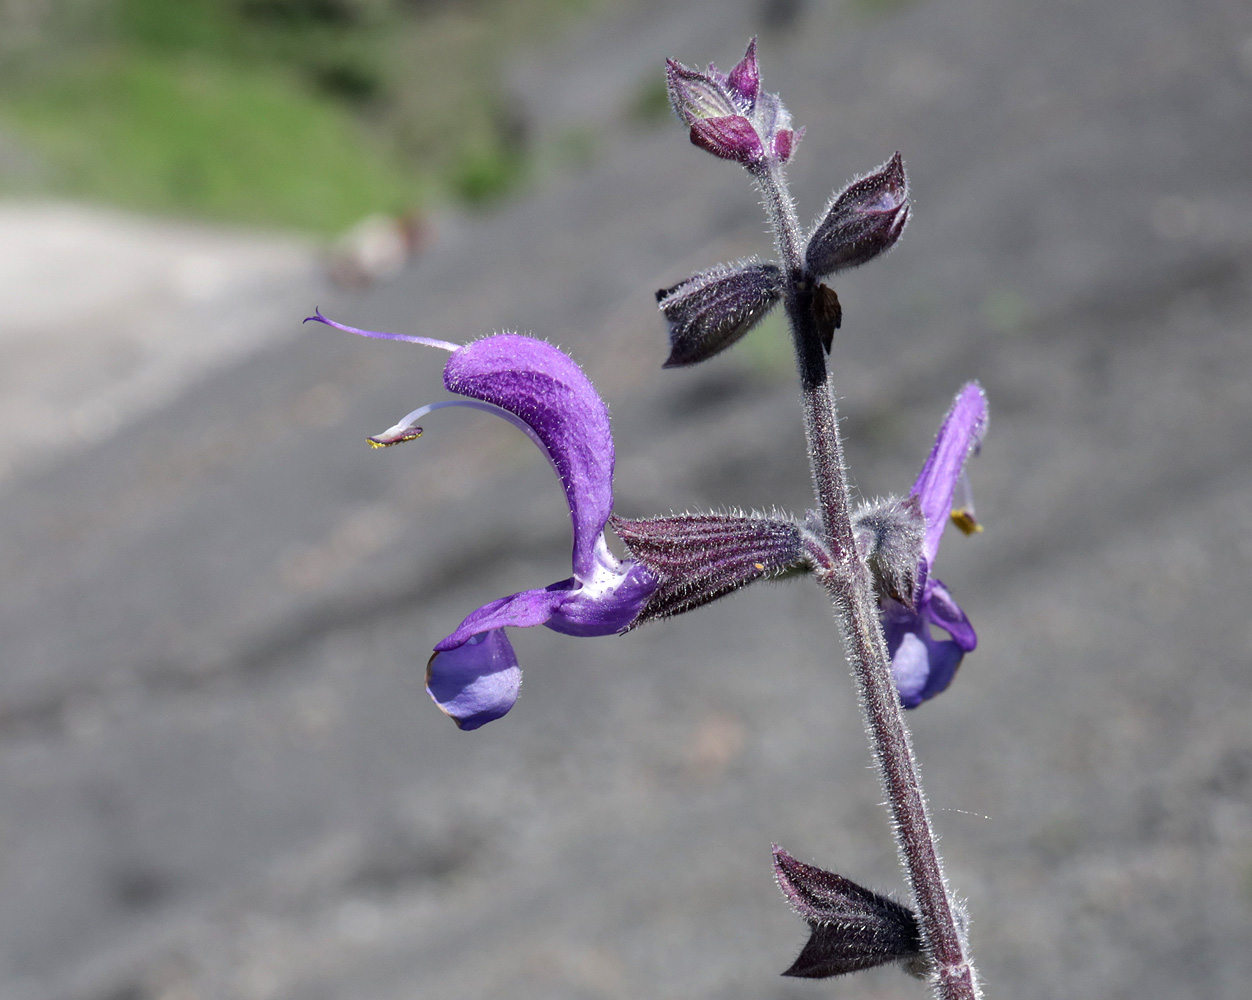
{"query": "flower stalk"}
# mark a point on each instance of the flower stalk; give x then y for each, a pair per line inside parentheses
(876, 563)
(851, 588)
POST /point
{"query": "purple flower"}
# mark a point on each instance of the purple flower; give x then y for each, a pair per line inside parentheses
(473, 675)
(923, 665)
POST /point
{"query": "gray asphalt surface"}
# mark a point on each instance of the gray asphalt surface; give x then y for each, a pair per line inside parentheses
(220, 775)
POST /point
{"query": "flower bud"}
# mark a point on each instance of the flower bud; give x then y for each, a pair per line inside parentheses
(863, 221)
(728, 113)
(701, 557)
(851, 927)
(713, 309)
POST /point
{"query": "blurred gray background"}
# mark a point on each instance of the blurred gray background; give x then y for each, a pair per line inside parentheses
(220, 776)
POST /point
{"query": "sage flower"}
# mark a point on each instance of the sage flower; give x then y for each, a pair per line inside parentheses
(473, 675)
(924, 666)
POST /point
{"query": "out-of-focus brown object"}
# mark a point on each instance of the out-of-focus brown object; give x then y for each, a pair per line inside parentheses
(376, 249)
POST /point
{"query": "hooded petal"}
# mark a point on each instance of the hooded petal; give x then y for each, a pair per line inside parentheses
(959, 436)
(476, 682)
(549, 392)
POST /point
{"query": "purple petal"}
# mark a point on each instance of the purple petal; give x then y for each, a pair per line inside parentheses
(923, 666)
(476, 682)
(607, 603)
(960, 434)
(940, 609)
(546, 389)
(530, 607)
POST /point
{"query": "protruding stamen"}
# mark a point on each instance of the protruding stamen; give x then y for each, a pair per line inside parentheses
(386, 440)
(964, 519)
(962, 514)
(407, 429)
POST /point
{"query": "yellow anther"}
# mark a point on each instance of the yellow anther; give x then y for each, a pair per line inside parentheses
(386, 442)
(964, 519)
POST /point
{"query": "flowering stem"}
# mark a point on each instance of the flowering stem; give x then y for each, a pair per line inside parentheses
(850, 586)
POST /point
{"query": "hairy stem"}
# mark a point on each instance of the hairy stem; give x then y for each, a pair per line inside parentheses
(851, 589)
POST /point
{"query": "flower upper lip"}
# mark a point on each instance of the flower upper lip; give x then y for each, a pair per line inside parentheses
(959, 436)
(549, 392)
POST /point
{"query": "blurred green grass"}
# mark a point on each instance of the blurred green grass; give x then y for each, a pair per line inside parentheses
(301, 114)
(201, 139)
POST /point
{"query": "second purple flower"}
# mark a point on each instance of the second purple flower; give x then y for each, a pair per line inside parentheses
(923, 665)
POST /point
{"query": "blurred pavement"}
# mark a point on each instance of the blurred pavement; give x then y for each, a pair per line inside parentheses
(108, 316)
(219, 774)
